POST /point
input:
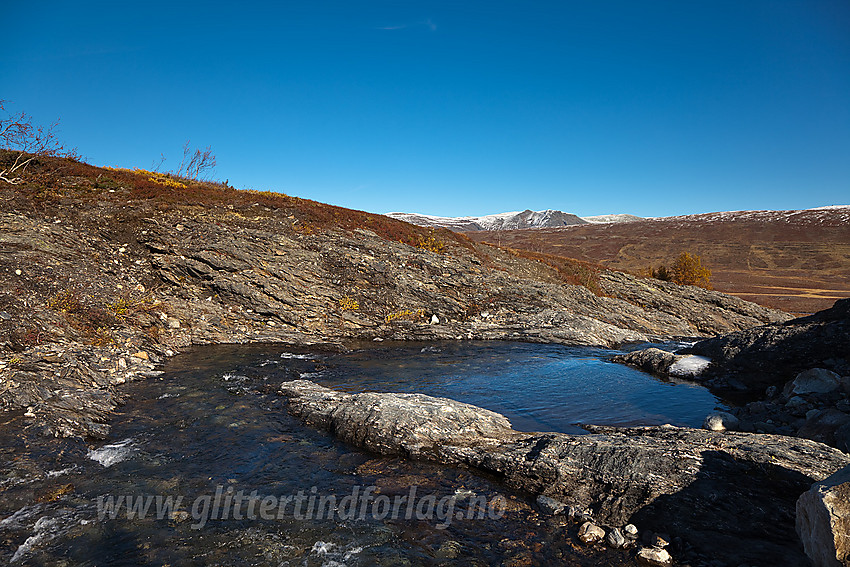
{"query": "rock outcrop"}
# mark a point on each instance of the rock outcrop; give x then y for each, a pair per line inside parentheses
(823, 520)
(773, 354)
(100, 264)
(730, 496)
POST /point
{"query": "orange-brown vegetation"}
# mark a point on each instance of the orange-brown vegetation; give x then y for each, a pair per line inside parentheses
(800, 263)
(47, 185)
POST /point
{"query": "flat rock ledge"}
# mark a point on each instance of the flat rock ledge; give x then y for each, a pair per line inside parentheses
(723, 496)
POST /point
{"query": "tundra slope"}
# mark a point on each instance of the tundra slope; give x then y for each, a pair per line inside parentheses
(105, 272)
(798, 261)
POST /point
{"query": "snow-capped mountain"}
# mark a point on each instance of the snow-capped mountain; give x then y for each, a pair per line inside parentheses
(507, 221)
(602, 219)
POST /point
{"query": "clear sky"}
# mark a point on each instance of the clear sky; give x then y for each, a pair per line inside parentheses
(457, 108)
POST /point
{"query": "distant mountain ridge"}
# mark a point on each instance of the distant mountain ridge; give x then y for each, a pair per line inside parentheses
(509, 221)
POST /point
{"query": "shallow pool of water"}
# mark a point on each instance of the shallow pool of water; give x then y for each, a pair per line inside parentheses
(213, 426)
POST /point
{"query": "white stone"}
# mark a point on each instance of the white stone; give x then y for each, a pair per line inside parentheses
(689, 366)
(654, 557)
(720, 421)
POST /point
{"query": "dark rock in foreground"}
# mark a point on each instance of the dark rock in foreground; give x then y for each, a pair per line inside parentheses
(728, 496)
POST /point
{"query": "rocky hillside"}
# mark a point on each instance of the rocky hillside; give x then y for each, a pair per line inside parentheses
(104, 272)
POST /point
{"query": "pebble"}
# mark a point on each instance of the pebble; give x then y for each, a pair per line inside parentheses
(615, 538)
(654, 557)
(590, 533)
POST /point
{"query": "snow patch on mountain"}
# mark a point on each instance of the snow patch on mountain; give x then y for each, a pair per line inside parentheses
(502, 221)
(601, 219)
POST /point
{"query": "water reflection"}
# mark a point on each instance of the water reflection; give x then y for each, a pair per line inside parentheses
(214, 420)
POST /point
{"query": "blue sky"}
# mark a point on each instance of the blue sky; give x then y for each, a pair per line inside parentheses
(457, 108)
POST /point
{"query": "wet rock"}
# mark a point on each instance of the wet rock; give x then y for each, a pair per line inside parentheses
(551, 506)
(652, 360)
(449, 550)
(823, 520)
(630, 530)
(654, 557)
(590, 533)
(664, 478)
(720, 421)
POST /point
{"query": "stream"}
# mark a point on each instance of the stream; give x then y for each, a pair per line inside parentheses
(212, 432)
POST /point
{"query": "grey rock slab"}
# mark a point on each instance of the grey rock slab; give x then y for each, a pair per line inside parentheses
(677, 480)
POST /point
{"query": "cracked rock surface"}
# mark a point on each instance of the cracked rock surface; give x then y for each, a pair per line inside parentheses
(727, 496)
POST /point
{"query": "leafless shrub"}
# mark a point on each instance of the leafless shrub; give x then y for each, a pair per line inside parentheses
(19, 134)
(197, 165)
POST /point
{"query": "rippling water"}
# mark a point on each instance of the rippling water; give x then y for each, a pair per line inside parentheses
(214, 422)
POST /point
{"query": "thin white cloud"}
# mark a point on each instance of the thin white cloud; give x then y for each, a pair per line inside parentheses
(427, 23)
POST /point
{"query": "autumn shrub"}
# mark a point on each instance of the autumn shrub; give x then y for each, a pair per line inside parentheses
(431, 243)
(347, 303)
(688, 270)
(405, 315)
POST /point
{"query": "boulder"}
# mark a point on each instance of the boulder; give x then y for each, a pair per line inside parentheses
(816, 381)
(822, 425)
(823, 520)
(771, 355)
(720, 421)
